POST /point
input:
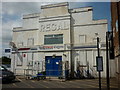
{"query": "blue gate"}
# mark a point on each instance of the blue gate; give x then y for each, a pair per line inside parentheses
(53, 65)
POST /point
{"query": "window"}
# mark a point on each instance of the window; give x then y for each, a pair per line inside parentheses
(30, 41)
(53, 39)
(19, 59)
(82, 38)
(30, 58)
(20, 44)
(82, 57)
(94, 39)
(116, 25)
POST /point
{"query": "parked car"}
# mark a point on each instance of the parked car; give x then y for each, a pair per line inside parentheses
(6, 75)
(7, 66)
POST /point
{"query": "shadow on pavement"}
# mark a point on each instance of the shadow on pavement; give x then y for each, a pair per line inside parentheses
(9, 82)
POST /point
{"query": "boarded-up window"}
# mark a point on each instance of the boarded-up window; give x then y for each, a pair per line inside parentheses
(19, 59)
(83, 57)
(94, 39)
(94, 57)
(82, 39)
(30, 58)
(30, 41)
(20, 44)
(90, 58)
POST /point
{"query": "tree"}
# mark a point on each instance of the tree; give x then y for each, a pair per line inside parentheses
(5, 60)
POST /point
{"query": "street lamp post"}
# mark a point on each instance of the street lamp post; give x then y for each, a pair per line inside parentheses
(107, 62)
(99, 56)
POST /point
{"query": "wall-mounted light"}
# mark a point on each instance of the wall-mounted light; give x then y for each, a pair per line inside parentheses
(96, 34)
(65, 55)
(54, 55)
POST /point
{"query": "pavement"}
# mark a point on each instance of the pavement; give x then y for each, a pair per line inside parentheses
(21, 82)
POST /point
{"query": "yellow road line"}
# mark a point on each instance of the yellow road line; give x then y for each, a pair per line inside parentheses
(113, 87)
(65, 83)
(44, 81)
(53, 84)
(91, 82)
(25, 83)
(19, 79)
(14, 84)
(76, 84)
(86, 80)
(29, 85)
(32, 81)
(92, 86)
(86, 85)
(43, 85)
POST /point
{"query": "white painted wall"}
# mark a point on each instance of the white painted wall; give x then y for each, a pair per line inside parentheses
(82, 24)
(89, 32)
(31, 21)
(23, 36)
(66, 32)
(81, 16)
(84, 57)
(84, 29)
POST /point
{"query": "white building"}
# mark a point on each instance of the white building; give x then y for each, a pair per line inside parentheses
(55, 35)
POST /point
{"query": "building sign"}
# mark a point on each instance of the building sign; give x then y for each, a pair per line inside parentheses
(24, 55)
(56, 26)
(99, 62)
(51, 47)
(33, 48)
(24, 49)
(8, 50)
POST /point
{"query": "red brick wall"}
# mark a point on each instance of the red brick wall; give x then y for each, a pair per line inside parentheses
(114, 17)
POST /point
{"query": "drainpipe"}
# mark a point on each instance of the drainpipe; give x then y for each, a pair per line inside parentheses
(118, 12)
(71, 50)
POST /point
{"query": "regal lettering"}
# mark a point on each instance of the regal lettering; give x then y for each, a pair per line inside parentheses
(45, 27)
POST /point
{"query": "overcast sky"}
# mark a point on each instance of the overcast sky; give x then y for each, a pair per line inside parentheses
(12, 13)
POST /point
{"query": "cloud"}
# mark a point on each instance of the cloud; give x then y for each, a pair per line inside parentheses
(18, 8)
(7, 32)
(12, 13)
(8, 26)
(11, 17)
(57, 0)
(35, 0)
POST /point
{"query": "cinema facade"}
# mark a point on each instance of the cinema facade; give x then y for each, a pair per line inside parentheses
(58, 39)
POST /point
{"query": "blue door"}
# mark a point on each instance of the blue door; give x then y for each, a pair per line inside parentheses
(53, 65)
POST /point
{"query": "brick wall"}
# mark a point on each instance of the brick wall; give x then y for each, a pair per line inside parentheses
(116, 35)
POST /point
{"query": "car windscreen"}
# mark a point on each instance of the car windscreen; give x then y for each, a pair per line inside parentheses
(2, 68)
